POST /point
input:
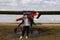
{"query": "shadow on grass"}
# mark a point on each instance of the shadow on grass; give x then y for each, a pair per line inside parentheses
(41, 32)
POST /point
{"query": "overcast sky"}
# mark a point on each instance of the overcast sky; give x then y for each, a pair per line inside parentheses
(44, 5)
(42, 19)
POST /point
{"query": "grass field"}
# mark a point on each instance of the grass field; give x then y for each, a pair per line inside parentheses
(53, 33)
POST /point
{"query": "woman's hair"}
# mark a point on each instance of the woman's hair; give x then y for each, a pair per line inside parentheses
(25, 14)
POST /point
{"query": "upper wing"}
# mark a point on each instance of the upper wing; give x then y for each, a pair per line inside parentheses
(40, 12)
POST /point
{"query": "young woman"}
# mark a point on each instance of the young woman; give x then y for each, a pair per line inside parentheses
(26, 23)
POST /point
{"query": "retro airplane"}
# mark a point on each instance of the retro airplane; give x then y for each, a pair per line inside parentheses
(39, 13)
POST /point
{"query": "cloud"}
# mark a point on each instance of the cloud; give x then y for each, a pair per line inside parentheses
(30, 4)
(30, 1)
(8, 2)
(40, 4)
(25, 1)
(50, 2)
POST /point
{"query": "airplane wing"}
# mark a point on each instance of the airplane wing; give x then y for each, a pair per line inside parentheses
(40, 12)
(48, 13)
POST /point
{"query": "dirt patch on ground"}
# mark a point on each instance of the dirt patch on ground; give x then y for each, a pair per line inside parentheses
(52, 33)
